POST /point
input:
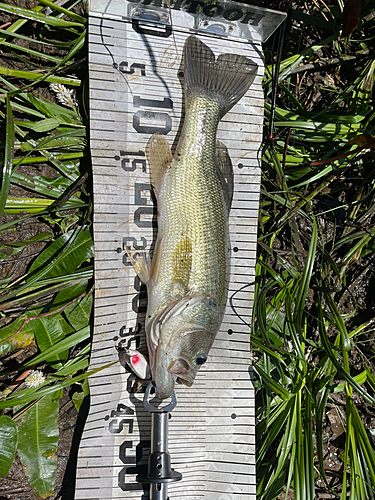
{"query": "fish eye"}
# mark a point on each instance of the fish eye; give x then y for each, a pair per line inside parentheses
(201, 359)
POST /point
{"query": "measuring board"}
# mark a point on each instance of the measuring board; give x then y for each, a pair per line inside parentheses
(136, 89)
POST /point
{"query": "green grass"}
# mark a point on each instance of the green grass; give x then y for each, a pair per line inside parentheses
(311, 329)
(50, 306)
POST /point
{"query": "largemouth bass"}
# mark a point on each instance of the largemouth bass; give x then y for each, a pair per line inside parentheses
(187, 279)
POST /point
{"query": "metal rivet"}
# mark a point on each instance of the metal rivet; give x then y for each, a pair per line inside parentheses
(233, 416)
(230, 331)
(235, 249)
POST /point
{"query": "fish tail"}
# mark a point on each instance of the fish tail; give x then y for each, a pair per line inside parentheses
(224, 80)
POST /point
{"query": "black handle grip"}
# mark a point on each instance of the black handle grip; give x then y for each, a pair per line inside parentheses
(144, 31)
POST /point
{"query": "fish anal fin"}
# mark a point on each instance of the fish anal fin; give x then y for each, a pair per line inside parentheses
(156, 259)
(225, 170)
(159, 158)
(141, 264)
(181, 264)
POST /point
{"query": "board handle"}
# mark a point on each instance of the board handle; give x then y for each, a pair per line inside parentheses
(164, 33)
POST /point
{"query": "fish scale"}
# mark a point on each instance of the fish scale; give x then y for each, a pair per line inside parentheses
(190, 188)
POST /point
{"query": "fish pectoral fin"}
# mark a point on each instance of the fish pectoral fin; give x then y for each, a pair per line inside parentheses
(141, 264)
(159, 157)
(225, 169)
(181, 263)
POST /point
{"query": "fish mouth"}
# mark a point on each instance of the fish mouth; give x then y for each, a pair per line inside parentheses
(165, 388)
(184, 381)
(165, 377)
(162, 378)
(182, 372)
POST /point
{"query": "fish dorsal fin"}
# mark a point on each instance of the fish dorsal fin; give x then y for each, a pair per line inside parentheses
(225, 169)
(159, 158)
(225, 80)
(181, 264)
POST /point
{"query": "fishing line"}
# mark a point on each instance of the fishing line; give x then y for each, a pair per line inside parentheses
(232, 305)
(115, 65)
(171, 23)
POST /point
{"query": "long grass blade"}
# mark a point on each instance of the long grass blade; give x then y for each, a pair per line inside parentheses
(38, 17)
(8, 157)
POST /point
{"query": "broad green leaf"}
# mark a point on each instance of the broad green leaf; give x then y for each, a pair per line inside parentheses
(45, 125)
(38, 438)
(48, 331)
(59, 347)
(80, 395)
(71, 279)
(69, 294)
(25, 109)
(8, 444)
(48, 186)
(11, 340)
(28, 298)
(76, 250)
(57, 395)
(33, 239)
(78, 314)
